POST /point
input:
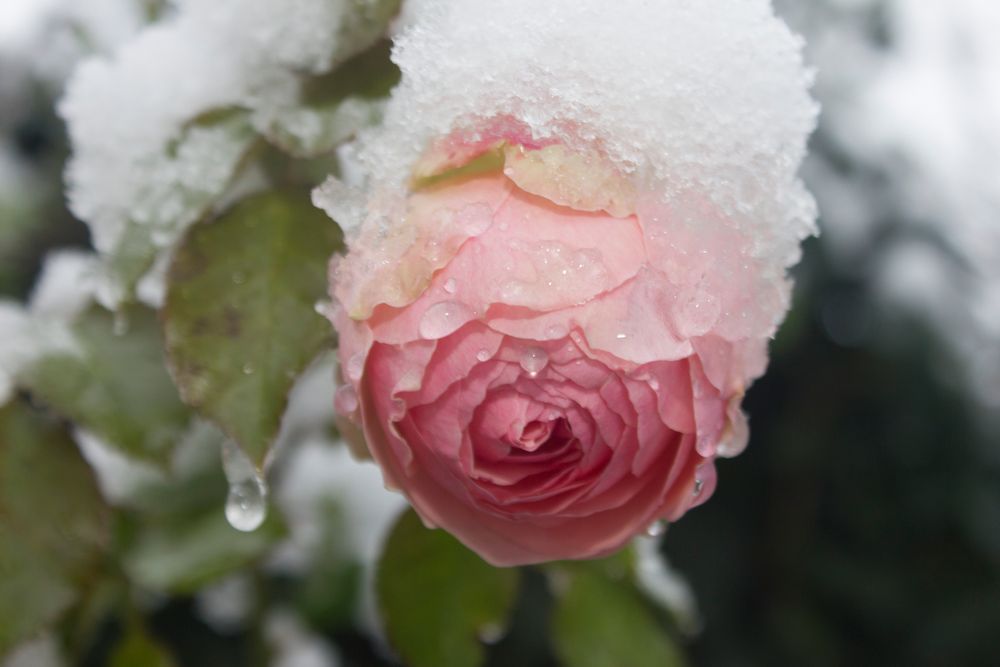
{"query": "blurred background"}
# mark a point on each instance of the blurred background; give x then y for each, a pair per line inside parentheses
(861, 525)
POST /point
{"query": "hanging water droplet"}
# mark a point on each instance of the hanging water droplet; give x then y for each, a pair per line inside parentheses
(246, 504)
(442, 319)
(450, 286)
(699, 484)
(483, 355)
(533, 360)
(239, 278)
(355, 366)
(248, 369)
(656, 528)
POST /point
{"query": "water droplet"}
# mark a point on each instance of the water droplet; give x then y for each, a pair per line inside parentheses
(432, 251)
(474, 219)
(533, 360)
(704, 483)
(246, 504)
(248, 369)
(322, 307)
(621, 336)
(490, 633)
(483, 355)
(239, 278)
(442, 319)
(450, 286)
(556, 331)
(656, 528)
(356, 366)
(345, 400)
(705, 446)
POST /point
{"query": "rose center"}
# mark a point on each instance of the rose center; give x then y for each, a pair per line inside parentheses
(540, 435)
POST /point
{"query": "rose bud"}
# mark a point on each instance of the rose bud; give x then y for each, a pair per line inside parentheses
(571, 254)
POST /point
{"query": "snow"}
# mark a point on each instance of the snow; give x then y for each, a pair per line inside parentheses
(43, 327)
(159, 127)
(703, 107)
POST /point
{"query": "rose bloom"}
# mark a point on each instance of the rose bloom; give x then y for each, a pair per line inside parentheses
(509, 353)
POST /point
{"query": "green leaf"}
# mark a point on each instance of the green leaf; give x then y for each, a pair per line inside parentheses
(117, 386)
(187, 552)
(139, 650)
(437, 597)
(53, 523)
(240, 320)
(601, 621)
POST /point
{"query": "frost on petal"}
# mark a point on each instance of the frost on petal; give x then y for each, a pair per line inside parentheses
(398, 250)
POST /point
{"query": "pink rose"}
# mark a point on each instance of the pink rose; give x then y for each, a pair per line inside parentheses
(540, 358)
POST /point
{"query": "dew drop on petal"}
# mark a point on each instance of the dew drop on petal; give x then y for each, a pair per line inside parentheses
(705, 446)
(322, 307)
(656, 528)
(533, 360)
(355, 366)
(246, 504)
(346, 400)
(450, 286)
(704, 482)
(483, 355)
(442, 319)
(556, 331)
